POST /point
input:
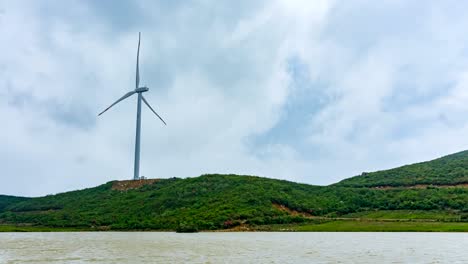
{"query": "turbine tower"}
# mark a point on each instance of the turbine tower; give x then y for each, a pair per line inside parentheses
(138, 90)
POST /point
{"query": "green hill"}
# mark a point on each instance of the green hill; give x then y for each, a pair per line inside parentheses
(448, 170)
(212, 202)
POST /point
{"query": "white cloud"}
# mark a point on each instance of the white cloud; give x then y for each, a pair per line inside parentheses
(219, 76)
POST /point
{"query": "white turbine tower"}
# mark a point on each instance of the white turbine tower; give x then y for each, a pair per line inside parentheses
(138, 90)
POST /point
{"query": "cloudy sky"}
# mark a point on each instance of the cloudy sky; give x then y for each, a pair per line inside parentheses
(309, 91)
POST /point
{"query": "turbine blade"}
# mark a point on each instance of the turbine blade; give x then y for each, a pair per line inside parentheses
(147, 104)
(137, 83)
(116, 102)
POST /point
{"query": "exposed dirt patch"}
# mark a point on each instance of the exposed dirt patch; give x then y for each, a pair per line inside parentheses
(290, 211)
(131, 184)
(421, 186)
(239, 228)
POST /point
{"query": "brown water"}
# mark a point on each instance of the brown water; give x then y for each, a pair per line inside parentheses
(159, 247)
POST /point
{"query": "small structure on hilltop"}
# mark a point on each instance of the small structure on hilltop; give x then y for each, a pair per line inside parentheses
(131, 184)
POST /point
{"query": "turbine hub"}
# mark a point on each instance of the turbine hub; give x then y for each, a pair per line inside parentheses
(141, 89)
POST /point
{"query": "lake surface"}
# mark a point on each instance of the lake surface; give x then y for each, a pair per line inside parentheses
(160, 247)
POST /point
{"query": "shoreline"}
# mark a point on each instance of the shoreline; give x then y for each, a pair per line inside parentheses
(329, 226)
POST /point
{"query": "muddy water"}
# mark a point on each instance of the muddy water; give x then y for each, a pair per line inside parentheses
(155, 247)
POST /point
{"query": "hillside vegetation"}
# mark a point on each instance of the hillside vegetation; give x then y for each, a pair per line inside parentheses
(6, 200)
(448, 170)
(212, 202)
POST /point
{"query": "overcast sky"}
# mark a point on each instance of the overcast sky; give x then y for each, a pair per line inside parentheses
(309, 91)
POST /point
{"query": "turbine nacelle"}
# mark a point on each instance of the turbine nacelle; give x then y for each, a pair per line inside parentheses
(141, 90)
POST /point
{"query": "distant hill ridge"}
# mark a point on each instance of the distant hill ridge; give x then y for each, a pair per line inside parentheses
(445, 171)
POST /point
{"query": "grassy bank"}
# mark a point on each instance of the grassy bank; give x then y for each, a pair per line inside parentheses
(370, 226)
(323, 226)
(407, 215)
(13, 228)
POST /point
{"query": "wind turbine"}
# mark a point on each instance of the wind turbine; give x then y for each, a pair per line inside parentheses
(138, 90)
